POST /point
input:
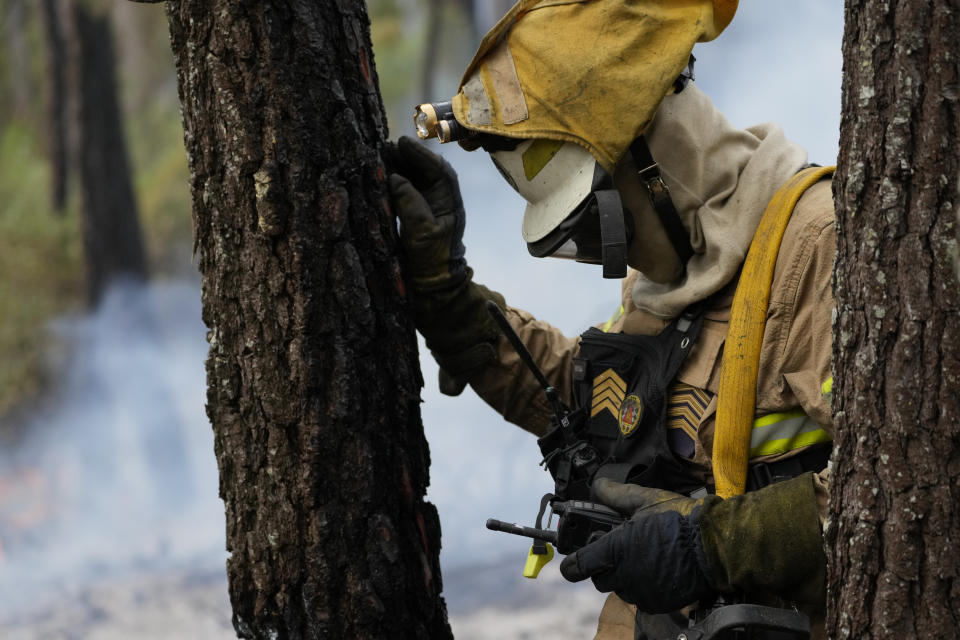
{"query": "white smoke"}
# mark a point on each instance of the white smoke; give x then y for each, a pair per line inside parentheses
(116, 473)
(116, 469)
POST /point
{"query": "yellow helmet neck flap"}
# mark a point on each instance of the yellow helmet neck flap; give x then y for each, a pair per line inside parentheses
(592, 72)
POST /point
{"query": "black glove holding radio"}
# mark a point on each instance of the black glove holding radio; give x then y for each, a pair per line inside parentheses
(676, 550)
(449, 308)
(656, 559)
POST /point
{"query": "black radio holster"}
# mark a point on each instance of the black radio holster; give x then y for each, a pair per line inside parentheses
(618, 428)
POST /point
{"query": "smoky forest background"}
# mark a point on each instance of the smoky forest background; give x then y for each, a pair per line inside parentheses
(110, 522)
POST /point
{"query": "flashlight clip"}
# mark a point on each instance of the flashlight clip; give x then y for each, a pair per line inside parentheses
(436, 120)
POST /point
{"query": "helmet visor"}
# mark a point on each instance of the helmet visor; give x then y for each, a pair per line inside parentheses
(553, 177)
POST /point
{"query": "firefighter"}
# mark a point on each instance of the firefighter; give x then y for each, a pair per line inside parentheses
(588, 111)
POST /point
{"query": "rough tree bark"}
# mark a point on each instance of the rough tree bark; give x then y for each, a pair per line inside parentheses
(895, 494)
(112, 242)
(313, 377)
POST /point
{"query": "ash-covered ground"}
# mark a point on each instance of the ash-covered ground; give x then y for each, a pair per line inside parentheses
(488, 603)
(143, 605)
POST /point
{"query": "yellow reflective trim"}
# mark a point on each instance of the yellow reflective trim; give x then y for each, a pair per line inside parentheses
(613, 318)
(782, 432)
(827, 387)
(789, 444)
(772, 418)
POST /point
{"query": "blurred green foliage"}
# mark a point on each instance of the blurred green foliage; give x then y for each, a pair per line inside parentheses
(41, 262)
(395, 52)
(41, 265)
(399, 43)
(161, 184)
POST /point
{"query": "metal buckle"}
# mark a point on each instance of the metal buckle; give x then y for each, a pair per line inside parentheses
(653, 168)
(761, 475)
(653, 181)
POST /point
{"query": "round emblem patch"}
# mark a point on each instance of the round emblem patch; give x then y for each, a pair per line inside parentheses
(630, 412)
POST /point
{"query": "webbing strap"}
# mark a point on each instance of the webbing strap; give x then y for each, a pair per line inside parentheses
(613, 233)
(737, 393)
(649, 173)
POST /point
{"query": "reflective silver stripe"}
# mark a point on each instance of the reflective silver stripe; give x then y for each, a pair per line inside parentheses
(782, 432)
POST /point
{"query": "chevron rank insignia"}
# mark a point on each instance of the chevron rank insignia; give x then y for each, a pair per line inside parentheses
(630, 413)
(608, 392)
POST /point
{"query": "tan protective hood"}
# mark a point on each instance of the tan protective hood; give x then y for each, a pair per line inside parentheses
(721, 179)
(586, 71)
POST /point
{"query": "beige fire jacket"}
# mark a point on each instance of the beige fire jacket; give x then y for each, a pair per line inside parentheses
(794, 363)
(793, 403)
(721, 179)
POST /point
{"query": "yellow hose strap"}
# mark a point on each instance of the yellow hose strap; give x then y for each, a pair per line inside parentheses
(737, 394)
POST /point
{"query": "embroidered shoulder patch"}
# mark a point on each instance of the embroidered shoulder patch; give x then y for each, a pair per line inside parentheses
(608, 392)
(630, 413)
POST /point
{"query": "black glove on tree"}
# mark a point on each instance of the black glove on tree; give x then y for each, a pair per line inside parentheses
(449, 308)
(426, 197)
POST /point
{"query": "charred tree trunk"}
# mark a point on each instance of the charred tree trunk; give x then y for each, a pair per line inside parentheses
(895, 494)
(56, 109)
(313, 378)
(112, 241)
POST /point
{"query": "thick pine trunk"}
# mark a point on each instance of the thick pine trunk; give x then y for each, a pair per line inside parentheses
(313, 378)
(56, 109)
(895, 494)
(112, 242)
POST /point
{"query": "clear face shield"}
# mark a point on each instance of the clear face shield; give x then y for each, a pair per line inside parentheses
(573, 210)
(597, 232)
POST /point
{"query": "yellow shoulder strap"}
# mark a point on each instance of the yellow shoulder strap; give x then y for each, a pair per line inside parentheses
(737, 394)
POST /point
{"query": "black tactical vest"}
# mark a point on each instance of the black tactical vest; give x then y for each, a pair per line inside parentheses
(618, 428)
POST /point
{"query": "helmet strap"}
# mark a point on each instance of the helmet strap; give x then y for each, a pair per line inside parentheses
(649, 173)
(613, 233)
